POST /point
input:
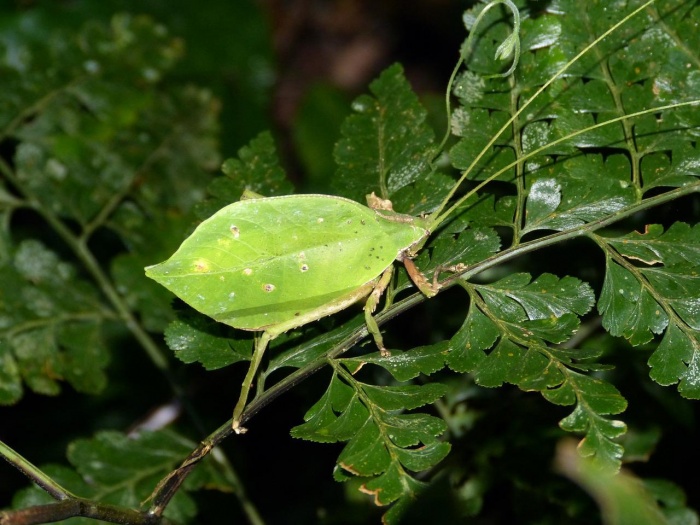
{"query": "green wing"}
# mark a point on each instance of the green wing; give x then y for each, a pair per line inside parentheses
(259, 263)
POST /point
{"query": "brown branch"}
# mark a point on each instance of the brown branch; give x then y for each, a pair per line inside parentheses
(75, 507)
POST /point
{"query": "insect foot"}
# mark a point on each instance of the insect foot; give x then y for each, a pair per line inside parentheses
(237, 428)
(377, 203)
(427, 288)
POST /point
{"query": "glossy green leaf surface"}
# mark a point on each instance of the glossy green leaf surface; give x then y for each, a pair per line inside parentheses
(384, 445)
(107, 150)
(386, 142)
(654, 288)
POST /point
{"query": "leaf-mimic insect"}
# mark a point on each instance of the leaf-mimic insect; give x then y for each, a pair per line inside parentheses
(273, 264)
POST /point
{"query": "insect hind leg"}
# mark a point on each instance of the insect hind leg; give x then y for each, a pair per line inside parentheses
(371, 306)
(260, 346)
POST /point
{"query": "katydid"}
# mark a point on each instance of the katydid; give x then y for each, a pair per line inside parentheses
(273, 264)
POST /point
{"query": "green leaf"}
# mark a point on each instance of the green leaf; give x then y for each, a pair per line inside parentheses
(196, 338)
(391, 485)
(537, 371)
(406, 430)
(405, 396)
(628, 308)
(547, 296)
(386, 144)
(470, 247)
(482, 126)
(676, 358)
(546, 308)
(485, 210)
(52, 325)
(111, 161)
(322, 415)
(366, 453)
(679, 287)
(679, 244)
(660, 172)
(468, 345)
(382, 443)
(424, 457)
(498, 366)
(301, 355)
(257, 168)
(518, 315)
(578, 196)
(423, 195)
(10, 378)
(77, 151)
(594, 398)
(640, 302)
(123, 470)
(404, 365)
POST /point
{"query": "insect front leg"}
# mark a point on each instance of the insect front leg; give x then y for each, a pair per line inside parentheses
(371, 306)
(260, 346)
(426, 287)
(429, 289)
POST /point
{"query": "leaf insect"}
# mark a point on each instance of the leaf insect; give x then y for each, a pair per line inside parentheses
(273, 264)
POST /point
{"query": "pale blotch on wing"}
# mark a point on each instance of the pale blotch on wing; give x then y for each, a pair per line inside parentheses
(201, 266)
(235, 231)
(269, 287)
(222, 278)
(232, 295)
(320, 220)
(248, 271)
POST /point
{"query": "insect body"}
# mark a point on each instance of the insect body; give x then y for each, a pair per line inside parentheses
(273, 264)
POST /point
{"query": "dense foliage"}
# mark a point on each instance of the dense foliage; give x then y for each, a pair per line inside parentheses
(571, 311)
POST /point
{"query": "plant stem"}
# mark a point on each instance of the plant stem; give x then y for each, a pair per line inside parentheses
(75, 507)
(34, 473)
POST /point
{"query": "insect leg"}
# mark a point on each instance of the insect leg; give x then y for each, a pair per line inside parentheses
(455, 268)
(260, 346)
(371, 306)
(427, 288)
